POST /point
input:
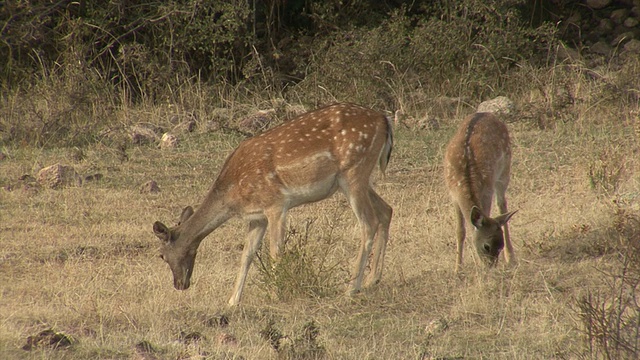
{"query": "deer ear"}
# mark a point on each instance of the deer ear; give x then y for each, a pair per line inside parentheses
(186, 214)
(476, 217)
(161, 231)
(502, 219)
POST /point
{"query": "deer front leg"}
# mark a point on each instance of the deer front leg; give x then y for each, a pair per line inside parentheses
(257, 229)
(509, 253)
(460, 234)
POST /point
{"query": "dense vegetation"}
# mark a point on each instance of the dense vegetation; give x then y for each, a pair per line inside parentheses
(87, 59)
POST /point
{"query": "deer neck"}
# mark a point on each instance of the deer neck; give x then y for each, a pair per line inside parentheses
(211, 214)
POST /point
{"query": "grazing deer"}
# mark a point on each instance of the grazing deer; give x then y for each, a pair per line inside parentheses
(304, 160)
(477, 163)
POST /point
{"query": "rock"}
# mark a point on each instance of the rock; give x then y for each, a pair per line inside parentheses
(221, 115)
(632, 46)
(624, 38)
(436, 327)
(182, 123)
(227, 339)
(257, 122)
(77, 154)
(631, 22)
(211, 126)
(150, 187)
(292, 111)
(605, 27)
(218, 118)
(598, 4)
(142, 134)
(565, 53)
(57, 176)
(575, 18)
(190, 337)
(27, 178)
(145, 347)
(93, 177)
(601, 48)
(499, 105)
(618, 16)
(220, 320)
(185, 127)
(49, 339)
(168, 141)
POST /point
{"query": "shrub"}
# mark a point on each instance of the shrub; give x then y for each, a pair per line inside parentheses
(304, 268)
(611, 317)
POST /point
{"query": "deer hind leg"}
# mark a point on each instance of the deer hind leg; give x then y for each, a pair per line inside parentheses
(362, 206)
(257, 229)
(509, 254)
(383, 212)
(460, 234)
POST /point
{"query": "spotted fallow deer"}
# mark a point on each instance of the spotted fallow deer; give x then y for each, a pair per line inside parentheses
(477, 163)
(304, 160)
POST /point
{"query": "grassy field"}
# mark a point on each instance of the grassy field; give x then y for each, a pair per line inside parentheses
(82, 261)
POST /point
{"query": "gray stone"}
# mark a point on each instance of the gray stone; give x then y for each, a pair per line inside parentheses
(632, 46)
(624, 38)
(259, 121)
(499, 105)
(150, 187)
(605, 27)
(168, 141)
(58, 176)
(618, 16)
(565, 53)
(601, 48)
(598, 4)
(142, 134)
(631, 22)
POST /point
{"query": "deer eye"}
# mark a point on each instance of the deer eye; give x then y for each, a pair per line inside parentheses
(161, 256)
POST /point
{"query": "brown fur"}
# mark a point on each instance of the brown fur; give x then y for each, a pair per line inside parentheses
(304, 160)
(477, 164)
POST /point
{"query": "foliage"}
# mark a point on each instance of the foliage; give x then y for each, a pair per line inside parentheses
(303, 269)
(376, 53)
(135, 46)
(469, 48)
(611, 318)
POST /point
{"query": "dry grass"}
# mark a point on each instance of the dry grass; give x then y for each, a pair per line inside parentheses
(82, 261)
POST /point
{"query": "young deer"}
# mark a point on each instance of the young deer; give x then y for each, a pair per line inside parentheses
(301, 161)
(477, 162)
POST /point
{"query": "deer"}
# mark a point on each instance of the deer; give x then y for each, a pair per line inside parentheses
(477, 164)
(301, 161)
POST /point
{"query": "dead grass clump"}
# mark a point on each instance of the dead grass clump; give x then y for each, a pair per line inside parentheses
(304, 268)
(610, 317)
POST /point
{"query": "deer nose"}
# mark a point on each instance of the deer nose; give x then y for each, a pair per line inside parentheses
(181, 285)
